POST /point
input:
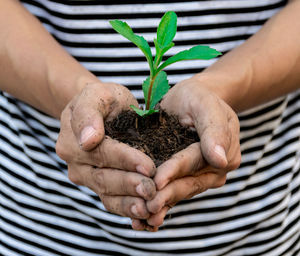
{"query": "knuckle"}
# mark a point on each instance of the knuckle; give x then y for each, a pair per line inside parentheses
(194, 104)
(235, 123)
(197, 162)
(109, 99)
(156, 204)
(124, 186)
(126, 182)
(61, 150)
(98, 156)
(74, 177)
(124, 159)
(65, 114)
(110, 205)
(107, 95)
(196, 187)
(235, 163)
(124, 205)
(89, 90)
(70, 107)
(236, 120)
(220, 182)
(99, 178)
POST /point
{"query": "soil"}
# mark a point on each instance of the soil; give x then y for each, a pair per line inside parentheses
(158, 135)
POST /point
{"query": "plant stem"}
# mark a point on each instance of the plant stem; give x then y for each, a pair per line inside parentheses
(157, 60)
(150, 92)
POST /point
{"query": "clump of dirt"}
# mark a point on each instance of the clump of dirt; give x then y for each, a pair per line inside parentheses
(158, 135)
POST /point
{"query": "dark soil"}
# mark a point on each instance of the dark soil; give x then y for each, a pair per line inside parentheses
(158, 135)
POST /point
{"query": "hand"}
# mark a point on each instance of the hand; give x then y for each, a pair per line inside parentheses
(202, 165)
(119, 174)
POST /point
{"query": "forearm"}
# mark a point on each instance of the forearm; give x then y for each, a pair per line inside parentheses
(266, 66)
(33, 66)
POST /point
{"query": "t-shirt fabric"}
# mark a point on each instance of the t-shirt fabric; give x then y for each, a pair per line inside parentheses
(256, 212)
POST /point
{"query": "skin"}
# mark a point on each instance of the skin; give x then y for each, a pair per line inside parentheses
(265, 67)
(57, 84)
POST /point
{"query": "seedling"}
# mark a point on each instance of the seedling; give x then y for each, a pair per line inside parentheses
(156, 84)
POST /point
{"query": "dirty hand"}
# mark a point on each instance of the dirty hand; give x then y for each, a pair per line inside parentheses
(202, 165)
(119, 174)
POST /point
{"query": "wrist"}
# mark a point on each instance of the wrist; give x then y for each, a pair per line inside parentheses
(63, 89)
(231, 88)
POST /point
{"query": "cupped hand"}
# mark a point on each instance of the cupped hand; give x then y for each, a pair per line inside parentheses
(202, 165)
(119, 174)
(97, 102)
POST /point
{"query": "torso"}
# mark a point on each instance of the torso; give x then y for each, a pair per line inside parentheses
(257, 212)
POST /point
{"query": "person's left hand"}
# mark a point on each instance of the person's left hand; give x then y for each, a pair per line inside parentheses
(202, 165)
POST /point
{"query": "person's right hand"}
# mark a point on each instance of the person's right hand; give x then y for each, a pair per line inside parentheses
(119, 174)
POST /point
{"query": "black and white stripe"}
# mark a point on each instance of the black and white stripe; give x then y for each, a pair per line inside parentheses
(257, 212)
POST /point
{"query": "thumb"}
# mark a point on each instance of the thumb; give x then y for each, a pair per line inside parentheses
(87, 119)
(214, 134)
(214, 153)
(91, 134)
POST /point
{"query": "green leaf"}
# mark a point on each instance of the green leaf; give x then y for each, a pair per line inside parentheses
(141, 112)
(167, 28)
(160, 88)
(125, 30)
(165, 34)
(199, 52)
(160, 51)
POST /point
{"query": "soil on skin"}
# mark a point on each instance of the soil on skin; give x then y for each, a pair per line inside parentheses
(158, 135)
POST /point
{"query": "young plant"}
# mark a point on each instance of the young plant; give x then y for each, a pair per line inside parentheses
(156, 85)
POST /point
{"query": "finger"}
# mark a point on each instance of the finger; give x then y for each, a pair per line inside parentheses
(127, 206)
(157, 219)
(110, 153)
(185, 188)
(234, 153)
(213, 130)
(87, 114)
(111, 182)
(186, 162)
(138, 225)
(143, 225)
(114, 154)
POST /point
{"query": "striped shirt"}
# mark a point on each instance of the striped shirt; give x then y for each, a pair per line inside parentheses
(257, 212)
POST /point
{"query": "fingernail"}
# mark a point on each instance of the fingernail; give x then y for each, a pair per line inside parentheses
(221, 152)
(86, 134)
(140, 190)
(134, 210)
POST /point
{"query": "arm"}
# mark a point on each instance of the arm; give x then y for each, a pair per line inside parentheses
(33, 66)
(36, 69)
(263, 68)
(266, 66)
